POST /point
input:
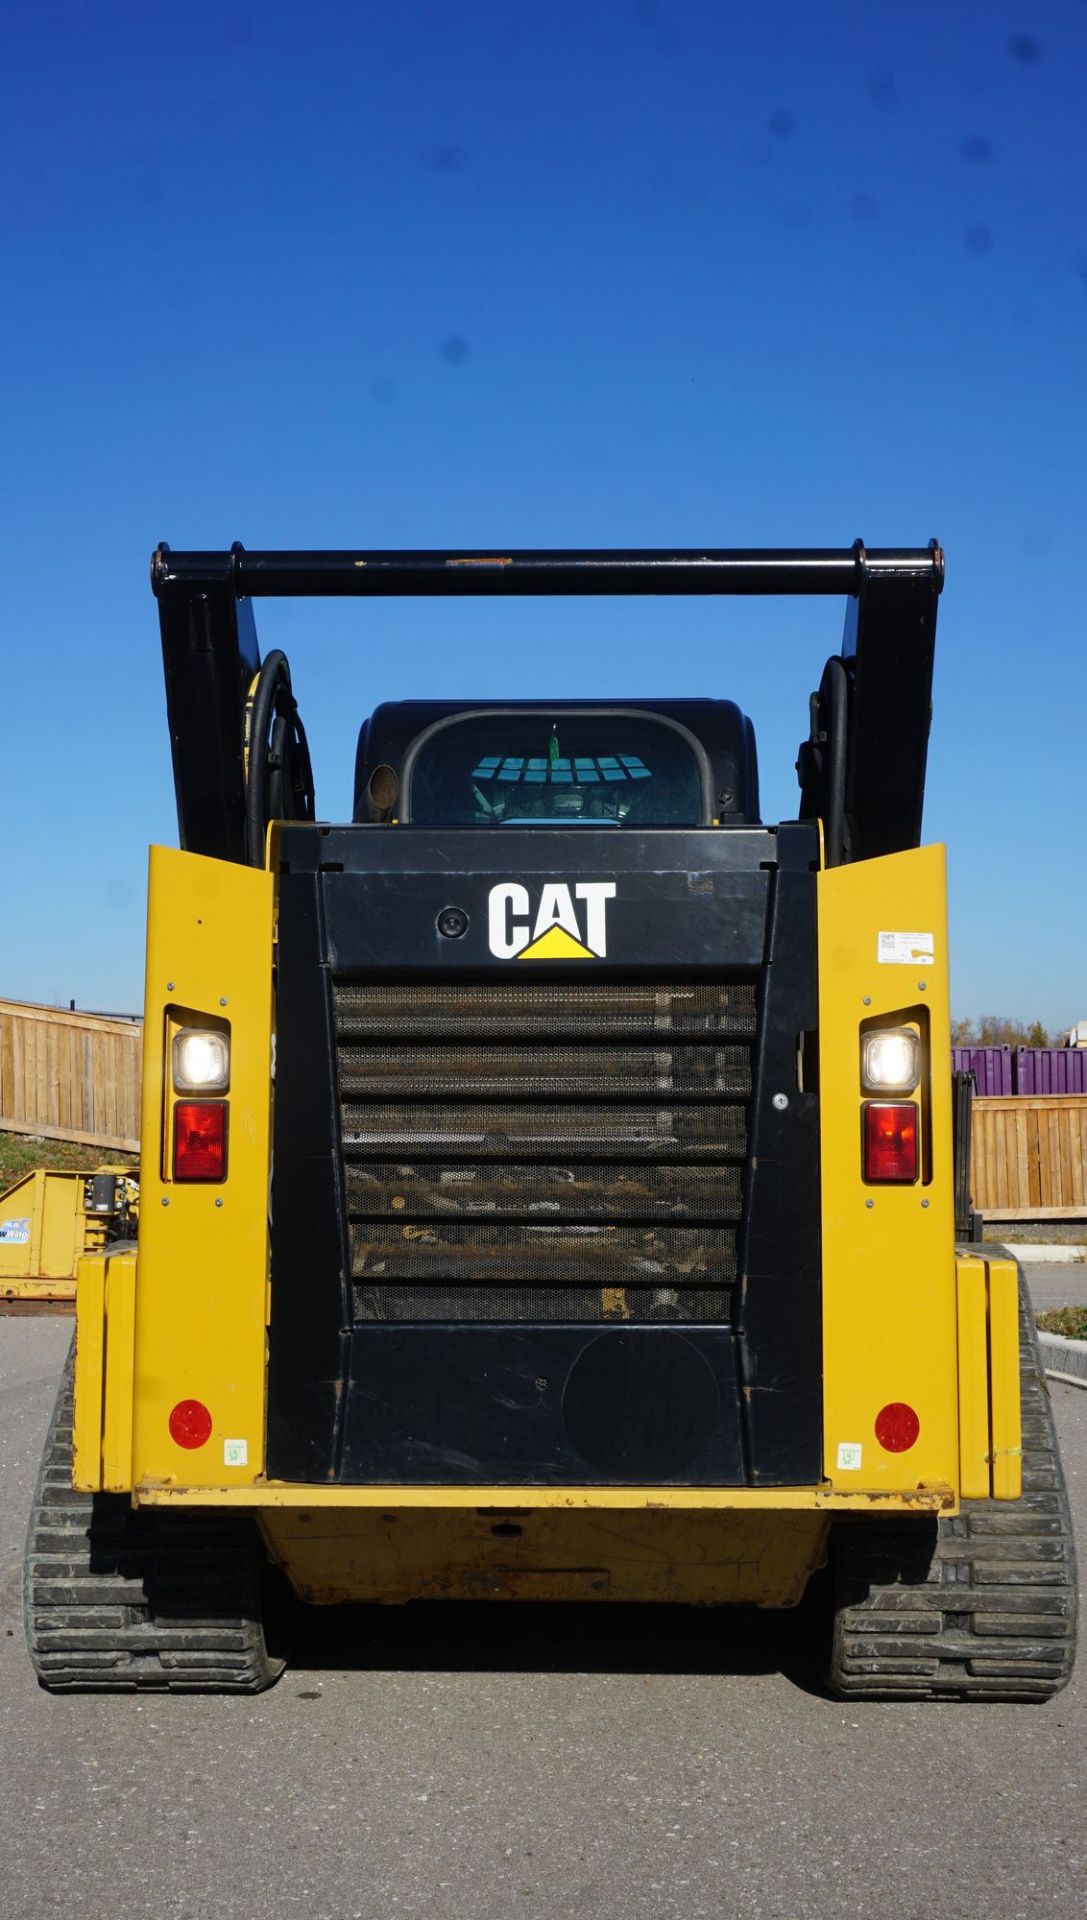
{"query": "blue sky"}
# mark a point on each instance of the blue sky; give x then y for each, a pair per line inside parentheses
(614, 273)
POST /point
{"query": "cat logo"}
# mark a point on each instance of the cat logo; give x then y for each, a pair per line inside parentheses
(560, 930)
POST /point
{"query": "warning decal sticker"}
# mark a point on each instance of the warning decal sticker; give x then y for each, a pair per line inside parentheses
(906, 949)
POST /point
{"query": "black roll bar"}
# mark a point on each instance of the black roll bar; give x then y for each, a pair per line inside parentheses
(871, 788)
(784, 570)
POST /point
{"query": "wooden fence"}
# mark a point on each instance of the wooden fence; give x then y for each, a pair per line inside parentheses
(76, 1076)
(1029, 1159)
(70, 1076)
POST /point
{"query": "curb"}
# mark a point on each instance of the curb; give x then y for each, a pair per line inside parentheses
(1027, 1251)
(1064, 1359)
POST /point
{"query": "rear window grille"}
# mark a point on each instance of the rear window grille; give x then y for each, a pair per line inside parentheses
(544, 1151)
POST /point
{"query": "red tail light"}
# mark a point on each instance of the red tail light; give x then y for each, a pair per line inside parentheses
(890, 1141)
(200, 1140)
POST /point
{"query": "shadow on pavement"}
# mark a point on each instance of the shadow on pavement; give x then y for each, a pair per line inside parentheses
(533, 1637)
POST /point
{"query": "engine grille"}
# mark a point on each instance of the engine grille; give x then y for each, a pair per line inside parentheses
(549, 1152)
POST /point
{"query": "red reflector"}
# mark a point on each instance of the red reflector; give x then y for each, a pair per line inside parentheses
(890, 1141)
(190, 1424)
(200, 1140)
(897, 1427)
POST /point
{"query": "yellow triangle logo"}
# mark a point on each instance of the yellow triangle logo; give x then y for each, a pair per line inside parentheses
(556, 944)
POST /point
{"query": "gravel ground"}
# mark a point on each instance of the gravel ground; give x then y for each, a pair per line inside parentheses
(1046, 1232)
(636, 1763)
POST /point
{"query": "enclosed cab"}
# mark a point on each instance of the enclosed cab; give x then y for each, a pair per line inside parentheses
(628, 1273)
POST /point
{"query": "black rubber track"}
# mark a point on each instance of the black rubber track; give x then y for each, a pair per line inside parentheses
(982, 1607)
(117, 1601)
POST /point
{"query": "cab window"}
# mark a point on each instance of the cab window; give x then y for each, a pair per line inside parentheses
(526, 769)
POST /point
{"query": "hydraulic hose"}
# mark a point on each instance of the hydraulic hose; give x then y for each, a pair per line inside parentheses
(279, 781)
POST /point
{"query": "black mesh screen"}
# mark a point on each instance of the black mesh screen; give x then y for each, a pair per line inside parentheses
(709, 1306)
(543, 1129)
(581, 1190)
(547, 1010)
(588, 1072)
(599, 1255)
(544, 1151)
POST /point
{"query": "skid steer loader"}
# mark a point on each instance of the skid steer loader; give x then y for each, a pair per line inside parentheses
(547, 1183)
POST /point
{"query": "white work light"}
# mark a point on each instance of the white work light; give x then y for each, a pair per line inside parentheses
(201, 1061)
(891, 1061)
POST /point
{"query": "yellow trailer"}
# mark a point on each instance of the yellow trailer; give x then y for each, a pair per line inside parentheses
(51, 1220)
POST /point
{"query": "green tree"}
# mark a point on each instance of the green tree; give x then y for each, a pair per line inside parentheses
(992, 1030)
(998, 1030)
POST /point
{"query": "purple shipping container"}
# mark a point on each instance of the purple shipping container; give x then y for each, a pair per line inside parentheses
(990, 1066)
(1051, 1070)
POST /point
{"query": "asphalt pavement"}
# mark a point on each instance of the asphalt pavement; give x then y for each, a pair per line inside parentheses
(523, 1761)
(1057, 1284)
